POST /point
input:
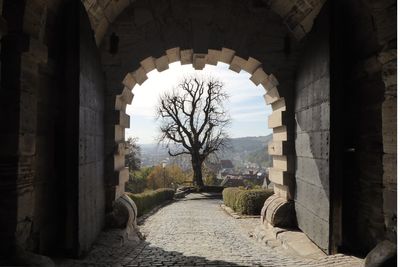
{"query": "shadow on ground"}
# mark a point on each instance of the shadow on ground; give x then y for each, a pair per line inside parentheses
(139, 254)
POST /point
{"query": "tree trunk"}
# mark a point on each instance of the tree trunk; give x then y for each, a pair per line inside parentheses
(197, 175)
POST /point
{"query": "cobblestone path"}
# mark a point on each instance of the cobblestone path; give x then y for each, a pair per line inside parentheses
(195, 231)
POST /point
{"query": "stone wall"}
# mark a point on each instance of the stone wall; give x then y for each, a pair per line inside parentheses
(91, 138)
(312, 135)
(151, 36)
(34, 126)
(368, 105)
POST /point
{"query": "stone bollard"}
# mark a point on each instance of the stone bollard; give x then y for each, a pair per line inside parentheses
(278, 212)
(124, 215)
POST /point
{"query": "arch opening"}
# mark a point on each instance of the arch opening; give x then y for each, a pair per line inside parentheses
(278, 148)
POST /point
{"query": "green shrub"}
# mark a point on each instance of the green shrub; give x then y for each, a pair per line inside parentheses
(147, 200)
(246, 201)
(229, 196)
(212, 189)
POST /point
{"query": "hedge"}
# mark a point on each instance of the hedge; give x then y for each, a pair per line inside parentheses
(147, 200)
(212, 189)
(244, 201)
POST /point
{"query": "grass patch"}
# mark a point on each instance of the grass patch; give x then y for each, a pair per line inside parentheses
(244, 201)
(147, 200)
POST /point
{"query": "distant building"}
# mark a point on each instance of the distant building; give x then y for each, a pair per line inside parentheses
(232, 181)
(225, 168)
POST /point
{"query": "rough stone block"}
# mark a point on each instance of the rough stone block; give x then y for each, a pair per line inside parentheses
(283, 191)
(308, 21)
(271, 96)
(277, 119)
(389, 169)
(120, 148)
(237, 64)
(119, 103)
(129, 81)
(119, 133)
(226, 55)
(122, 119)
(389, 125)
(123, 175)
(119, 162)
(140, 75)
(259, 76)
(251, 65)
(213, 57)
(199, 61)
(281, 177)
(284, 163)
(186, 56)
(148, 64)
(279, 134)
(162, 63)
(279, 105)
(278, 148)
(173, 54)
(114, 8)
(126, 96)
(101, 30)
(273, 80)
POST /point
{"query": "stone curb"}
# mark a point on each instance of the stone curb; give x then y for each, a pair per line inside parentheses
(294, 242)
(236, 215)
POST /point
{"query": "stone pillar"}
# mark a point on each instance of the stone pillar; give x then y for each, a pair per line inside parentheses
(278, 209)
(389, 133)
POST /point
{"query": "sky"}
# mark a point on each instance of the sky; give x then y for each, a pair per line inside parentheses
(246, 104)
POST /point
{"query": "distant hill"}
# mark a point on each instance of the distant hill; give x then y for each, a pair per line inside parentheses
(249, 143)
(240, 151)
(246, 150)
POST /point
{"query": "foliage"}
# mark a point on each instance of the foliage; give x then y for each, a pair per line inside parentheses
(246, 201)
(138, 180)
(229, 196)
(210, 177)
(169, 176)
(153, 178)
(132, 157)
(193, 121)
(149, 199)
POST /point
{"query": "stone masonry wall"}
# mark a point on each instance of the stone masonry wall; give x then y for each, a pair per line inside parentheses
(312, 136)
(369, 82)
(145, 31)
(91, 139)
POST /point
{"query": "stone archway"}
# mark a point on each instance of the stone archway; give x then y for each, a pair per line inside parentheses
(297, 15)
(278, 209)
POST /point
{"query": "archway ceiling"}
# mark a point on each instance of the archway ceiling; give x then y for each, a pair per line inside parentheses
(298, 15)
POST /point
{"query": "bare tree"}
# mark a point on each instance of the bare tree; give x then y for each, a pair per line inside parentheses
(193, 121)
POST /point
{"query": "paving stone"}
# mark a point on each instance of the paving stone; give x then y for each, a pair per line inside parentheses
(195, 231)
